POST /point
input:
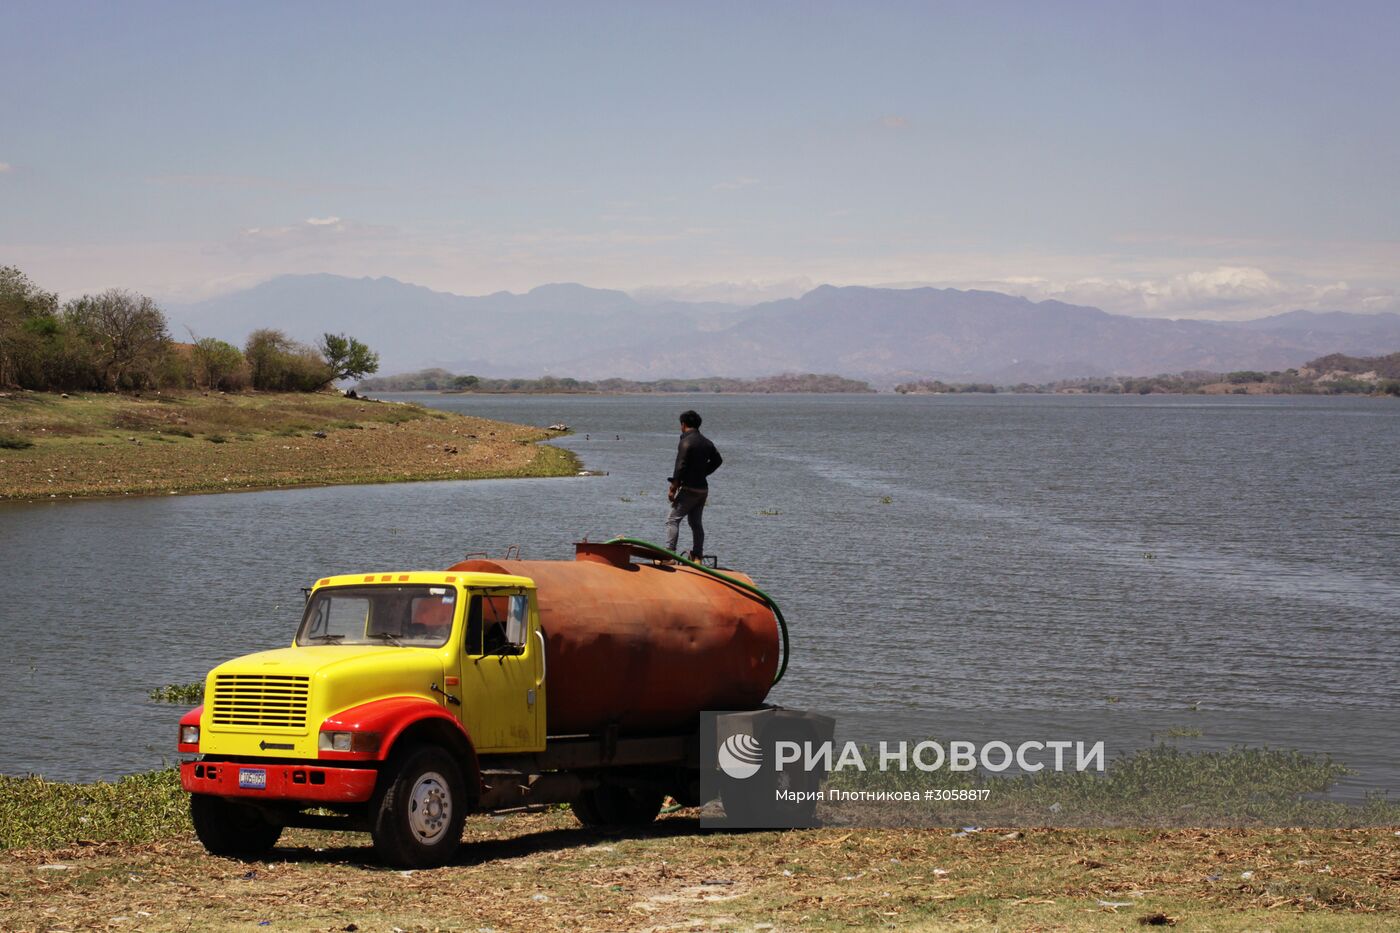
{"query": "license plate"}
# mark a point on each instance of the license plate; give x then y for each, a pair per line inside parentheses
(252, 778)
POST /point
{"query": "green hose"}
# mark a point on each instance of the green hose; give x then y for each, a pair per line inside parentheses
(768, 600)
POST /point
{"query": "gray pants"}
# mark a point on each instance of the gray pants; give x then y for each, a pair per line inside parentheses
(689, 504)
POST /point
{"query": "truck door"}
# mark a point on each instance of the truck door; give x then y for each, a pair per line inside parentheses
(503, 672)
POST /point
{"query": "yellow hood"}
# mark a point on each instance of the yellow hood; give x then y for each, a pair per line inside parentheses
(272, 703)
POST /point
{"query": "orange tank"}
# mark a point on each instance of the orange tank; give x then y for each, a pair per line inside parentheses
(641, 646)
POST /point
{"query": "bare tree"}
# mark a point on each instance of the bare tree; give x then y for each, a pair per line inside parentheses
(127, 331)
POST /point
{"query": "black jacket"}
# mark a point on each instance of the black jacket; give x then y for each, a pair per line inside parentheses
(696, 459)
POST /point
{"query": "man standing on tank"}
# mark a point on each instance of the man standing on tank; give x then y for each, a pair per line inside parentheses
(696, 459)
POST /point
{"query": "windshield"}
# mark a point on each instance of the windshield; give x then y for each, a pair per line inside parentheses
(418, 616)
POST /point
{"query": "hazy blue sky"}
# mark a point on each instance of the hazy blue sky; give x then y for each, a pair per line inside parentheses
(1176, 158)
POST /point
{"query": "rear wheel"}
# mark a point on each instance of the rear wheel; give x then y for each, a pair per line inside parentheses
(615, 805)
(234, 830)
(418, 815)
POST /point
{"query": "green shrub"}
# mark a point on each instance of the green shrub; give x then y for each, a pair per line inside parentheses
(35, 813)
(192, 692)
(219, 365)
(276, 363)
(11, 442)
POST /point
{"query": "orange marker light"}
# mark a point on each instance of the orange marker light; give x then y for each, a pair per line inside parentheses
(453, 681)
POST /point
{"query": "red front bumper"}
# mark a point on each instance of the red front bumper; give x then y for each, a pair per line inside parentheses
(311, 783)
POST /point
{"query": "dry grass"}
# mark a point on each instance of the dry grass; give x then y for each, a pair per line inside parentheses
(106, 445)
(541, 871)
(121, 856)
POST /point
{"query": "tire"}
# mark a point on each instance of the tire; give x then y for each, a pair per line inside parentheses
(615, 805)
(418, 814)
(233, 830)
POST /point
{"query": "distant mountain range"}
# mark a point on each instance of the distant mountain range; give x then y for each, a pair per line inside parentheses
(884, 335)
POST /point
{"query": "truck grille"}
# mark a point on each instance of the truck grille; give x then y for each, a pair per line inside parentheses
(261, 700)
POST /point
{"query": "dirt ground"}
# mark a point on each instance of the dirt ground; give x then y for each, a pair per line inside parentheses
(543, 872)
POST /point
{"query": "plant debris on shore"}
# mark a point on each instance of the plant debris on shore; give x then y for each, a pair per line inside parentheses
(122, 855)
(544, 872)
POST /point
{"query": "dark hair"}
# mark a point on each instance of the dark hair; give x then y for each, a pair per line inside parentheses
(690, 419)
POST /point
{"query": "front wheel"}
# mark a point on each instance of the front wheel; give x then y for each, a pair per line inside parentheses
(233, 830)
(418, 815)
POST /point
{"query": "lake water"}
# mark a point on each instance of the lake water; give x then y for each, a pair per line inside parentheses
(975, 552)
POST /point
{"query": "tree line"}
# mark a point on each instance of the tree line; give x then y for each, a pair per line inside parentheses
(1334, 374)
(441, 380)
(120, 341)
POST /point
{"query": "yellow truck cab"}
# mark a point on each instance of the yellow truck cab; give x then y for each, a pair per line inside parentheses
(423, 672)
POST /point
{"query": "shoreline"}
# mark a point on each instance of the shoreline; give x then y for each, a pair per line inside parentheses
(600, 394)
(273, 487)
(94, 446)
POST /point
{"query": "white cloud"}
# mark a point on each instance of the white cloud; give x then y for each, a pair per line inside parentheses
(750, 292)
(6, 167)
(316, 238)
(1220, 292)
(734, 184)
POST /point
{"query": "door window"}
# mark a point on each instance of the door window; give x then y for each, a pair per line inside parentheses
(515, 621)
(497, 624)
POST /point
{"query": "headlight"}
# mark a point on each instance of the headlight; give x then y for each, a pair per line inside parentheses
(189, 735)
(335, 741)
(367, 742)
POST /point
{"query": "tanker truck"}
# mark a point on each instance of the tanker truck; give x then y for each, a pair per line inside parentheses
(408, 700)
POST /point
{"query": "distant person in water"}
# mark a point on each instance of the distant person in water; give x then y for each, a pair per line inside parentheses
(696, 459)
